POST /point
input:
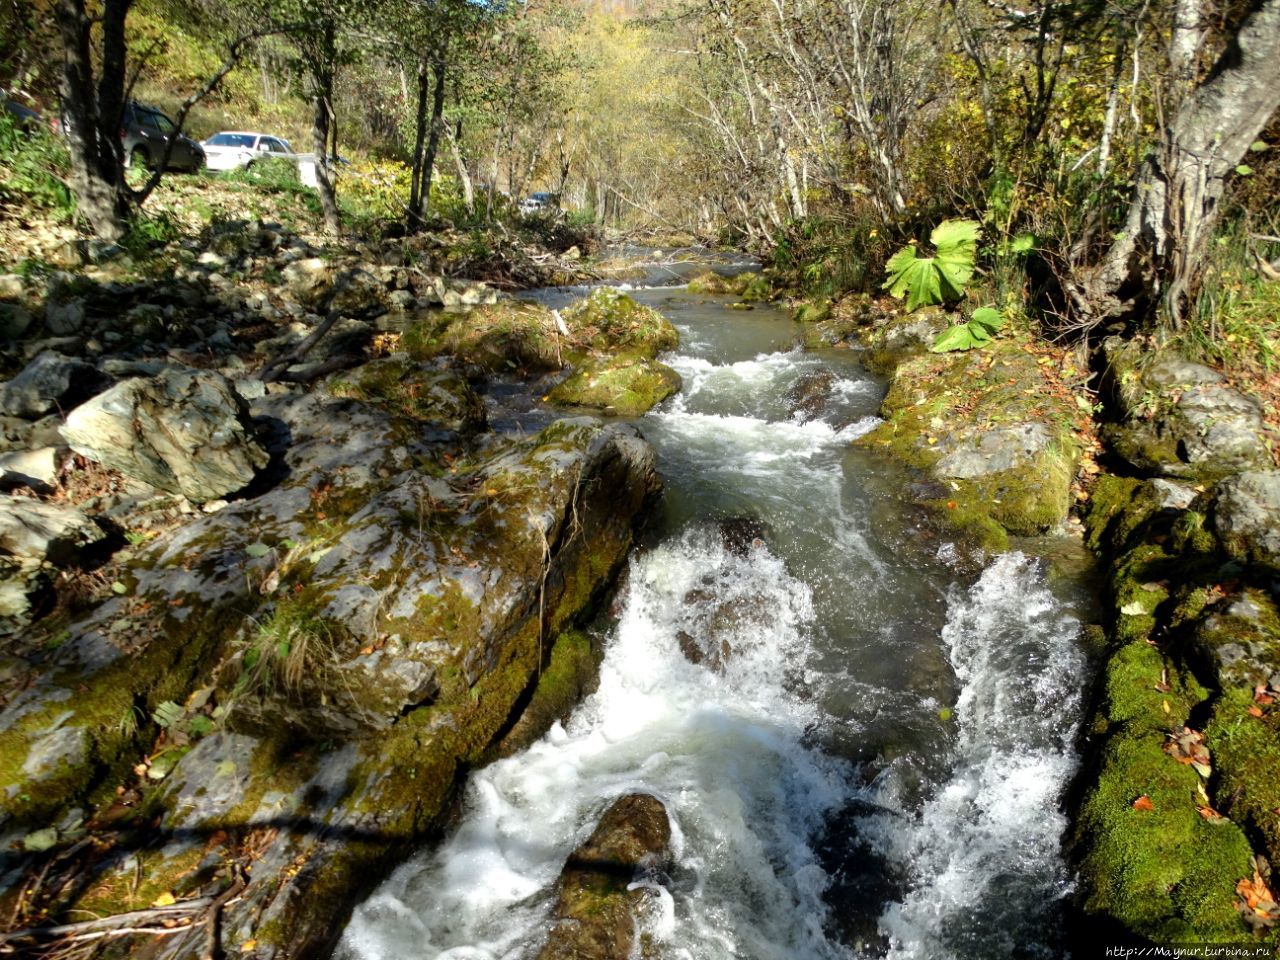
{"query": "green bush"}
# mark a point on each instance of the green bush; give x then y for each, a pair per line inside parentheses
(33, 165)
(276, 174)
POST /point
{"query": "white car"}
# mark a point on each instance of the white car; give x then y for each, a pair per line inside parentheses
(233, 149)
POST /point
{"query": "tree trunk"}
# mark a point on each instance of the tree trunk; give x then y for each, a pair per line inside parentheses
(464, 176)
(323, 58)
(413, 214)
(92, 116)
(1156, 261)
(433, 141)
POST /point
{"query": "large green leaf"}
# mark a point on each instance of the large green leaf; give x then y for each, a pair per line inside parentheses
(915, 277)
(958, 337)
(957, 245)
(930, 280)
(987, 318)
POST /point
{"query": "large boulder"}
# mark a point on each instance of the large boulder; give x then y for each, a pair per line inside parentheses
(48, 383)
(618, 389)
(598, 898)
(328, 658)
(1181, 419)
(1246, 517)
(44, 531)
(184, 431)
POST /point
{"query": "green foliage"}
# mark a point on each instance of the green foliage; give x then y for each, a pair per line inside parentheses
(32, 167)
(942, 277)
(147, 231)
(982, 326)
(274, 174)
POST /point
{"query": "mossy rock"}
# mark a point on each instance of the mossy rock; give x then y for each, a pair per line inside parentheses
(750, 287)
(1167, 873)
(499, 338)
(980, 426)
(596, 907)
(608, 322)
(625, 390)
(439, 397)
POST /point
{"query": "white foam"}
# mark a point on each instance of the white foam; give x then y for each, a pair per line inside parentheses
(724, 749)
(982, 856)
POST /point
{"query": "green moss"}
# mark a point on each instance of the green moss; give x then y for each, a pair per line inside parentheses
(748, 286)
(1246, 753)
(610, 322)
(500, 338)
(1166, 873)
(431, 395)
(1110, 502)
(628, 390)
(1134, 675)
(570, 672)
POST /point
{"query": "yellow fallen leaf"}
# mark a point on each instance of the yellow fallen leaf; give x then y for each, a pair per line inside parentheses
(1164, 705)
(248, 945)
(165, 899)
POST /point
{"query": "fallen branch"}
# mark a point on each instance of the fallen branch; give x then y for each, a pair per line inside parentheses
(116, 924)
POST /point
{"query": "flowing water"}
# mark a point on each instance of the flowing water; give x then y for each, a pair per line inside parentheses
(868, 758)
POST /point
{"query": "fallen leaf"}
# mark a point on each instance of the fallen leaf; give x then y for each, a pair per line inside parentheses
(1255, 711)
(1143, 803)
(165, 899)
(1164, 705)
(1211, 815)
(248, 945)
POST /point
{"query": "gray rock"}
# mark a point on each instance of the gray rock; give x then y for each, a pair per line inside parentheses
(1173, 496)
(186, 432)
(464, 293)
(1221, 428)
(997, 450)
(34, 530)
(1246, 517)
(400, 299)
(65, 345)
(32, 468)
(50, 382)
(64, 318)
(15, 320)
(22, 581)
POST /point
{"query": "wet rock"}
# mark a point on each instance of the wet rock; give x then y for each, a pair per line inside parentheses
(741, 535)
(35, 530)
(1246, 517)
(186, 432)
(595, 911)
(807, 398)
(49, 382)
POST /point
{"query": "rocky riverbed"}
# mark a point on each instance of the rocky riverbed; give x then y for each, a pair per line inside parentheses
(270, 584)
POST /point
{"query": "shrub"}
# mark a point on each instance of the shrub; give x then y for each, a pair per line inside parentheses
(32, 167)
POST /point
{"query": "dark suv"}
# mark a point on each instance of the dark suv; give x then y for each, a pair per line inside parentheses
(146, 132)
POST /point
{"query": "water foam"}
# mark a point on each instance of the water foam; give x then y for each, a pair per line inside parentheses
(722, 744)
(985, 873)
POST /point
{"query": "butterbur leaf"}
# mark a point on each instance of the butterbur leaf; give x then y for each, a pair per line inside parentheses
(957, 245)
(929, 280)
(989, 317)
(913, 277)
(953, 338)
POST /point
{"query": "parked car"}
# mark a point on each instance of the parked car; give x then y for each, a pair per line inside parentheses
(539, 202)
(24, 118)
(146, 133)
(238, 149)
